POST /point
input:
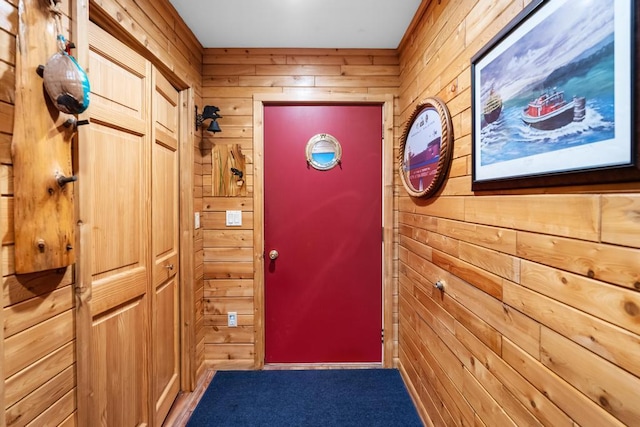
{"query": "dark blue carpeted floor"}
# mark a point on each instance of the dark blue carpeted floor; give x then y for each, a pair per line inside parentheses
(352, 397)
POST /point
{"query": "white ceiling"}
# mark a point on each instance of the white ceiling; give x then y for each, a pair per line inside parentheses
(375, 24)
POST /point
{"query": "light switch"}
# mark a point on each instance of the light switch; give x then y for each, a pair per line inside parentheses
(234, 218)
(196, 220)
(232, 319)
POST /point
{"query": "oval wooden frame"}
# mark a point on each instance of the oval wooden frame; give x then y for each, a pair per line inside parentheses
(446, 147)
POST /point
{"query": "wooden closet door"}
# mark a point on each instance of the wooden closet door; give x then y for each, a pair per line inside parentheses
(165, 321)
(115, 212)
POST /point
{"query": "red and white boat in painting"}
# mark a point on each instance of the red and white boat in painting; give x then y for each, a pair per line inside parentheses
(551, 111)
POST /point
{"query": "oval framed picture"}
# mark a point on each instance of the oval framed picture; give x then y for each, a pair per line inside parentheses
(426, 147)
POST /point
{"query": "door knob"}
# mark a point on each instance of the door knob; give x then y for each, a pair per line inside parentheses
(273, 254)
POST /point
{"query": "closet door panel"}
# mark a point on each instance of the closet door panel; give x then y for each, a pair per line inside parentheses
(165, 319)
(115, 205)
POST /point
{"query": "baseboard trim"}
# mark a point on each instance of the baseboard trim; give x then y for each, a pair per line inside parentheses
(302, 366)
(422, 412)
(186, 403)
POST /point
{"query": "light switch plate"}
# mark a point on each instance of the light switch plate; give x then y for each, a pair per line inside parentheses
(234, 218)
(232, 319)
(196, 220)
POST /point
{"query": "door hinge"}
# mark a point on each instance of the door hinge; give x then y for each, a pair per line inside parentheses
(382, 336)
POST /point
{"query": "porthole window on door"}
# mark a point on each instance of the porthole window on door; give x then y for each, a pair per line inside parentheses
(323, 151)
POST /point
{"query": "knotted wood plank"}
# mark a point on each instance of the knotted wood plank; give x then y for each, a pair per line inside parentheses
(41, 150)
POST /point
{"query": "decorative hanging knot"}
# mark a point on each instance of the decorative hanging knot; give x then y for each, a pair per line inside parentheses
(54, 8)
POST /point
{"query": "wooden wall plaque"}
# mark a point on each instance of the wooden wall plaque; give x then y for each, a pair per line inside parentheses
(41, 150)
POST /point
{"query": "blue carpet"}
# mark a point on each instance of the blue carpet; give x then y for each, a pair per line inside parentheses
(351, 397)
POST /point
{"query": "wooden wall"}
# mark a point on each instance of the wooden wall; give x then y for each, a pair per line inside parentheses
(539, 321)
(39, 330)
(230, 79)
(39, 346)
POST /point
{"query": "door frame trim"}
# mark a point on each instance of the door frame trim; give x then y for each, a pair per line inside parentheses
(259, 102)
(187, 277)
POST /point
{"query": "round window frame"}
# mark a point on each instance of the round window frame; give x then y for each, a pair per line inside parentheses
(446, 147)
(323, 137)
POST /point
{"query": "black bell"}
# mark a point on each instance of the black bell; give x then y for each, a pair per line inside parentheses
(209, 112)
(214, 127)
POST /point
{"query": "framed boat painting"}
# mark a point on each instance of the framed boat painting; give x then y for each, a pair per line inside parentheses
(553, 98)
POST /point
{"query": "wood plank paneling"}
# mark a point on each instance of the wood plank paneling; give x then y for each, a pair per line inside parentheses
(614, 304)
(485, 406)
(37, 339)
(5, 148)
(492, 261)
(8, 17)
(614, 264)
(26, 348)
(7, 73)
(541, 286)
(228, 352)
(228, 288)
(610, 342)
(27, 380)
(573, 252)
(560, 392)
(137, 22)
(6, 117)
(482, 279)
(42, 398)
(607, 385)
(16, 289)
(533, 400)
(231, 78)
(57, 413)
(573, 216)
(38, 315)
(621, 219)
(21, 316)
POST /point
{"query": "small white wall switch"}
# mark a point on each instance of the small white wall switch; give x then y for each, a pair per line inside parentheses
(196, 220)
(234, 218)
(232, 319)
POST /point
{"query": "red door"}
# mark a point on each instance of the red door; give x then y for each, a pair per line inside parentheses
(323, 294)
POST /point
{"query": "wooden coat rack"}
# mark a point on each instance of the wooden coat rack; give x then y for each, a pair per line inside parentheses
(41, 149)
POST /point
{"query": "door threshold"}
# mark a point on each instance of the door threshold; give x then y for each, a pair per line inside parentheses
(301, 366)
